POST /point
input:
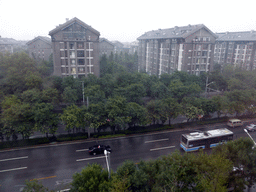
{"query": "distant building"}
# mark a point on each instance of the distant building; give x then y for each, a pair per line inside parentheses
(75, 49)
(118, 46)
(40, 48)
(106, 47)
(7, 45)
(189, 48)
(236, 48)
(133, 47)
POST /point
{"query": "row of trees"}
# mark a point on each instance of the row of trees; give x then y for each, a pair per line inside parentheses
(229, 166)
(118, 98)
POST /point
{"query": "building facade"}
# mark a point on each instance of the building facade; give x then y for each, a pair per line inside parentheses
(236, 48)
(189, 48)
(75, 49)
(106, 47)
(40, 48)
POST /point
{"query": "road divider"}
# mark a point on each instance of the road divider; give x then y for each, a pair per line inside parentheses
(16, 158)
(14, 169)
(82, 150)
(86, 159)
(44, 178)
(162, 148)
(157, 140)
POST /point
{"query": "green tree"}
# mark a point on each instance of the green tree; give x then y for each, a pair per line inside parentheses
(69, 95)
(34, 186)
(172, 108)
(117, 113)
(91, 178)
(94, 94)
(46, 121)
(138, 114)
(72, 117)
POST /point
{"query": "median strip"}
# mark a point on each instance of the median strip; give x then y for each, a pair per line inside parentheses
(162, 148)
(44, 178)
(16, 158)
(90, 158)
(15, 169)
(157, 140)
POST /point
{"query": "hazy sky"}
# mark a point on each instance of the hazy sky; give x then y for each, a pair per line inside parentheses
(123, 20)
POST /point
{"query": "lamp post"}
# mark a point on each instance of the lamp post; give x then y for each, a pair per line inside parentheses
(250, 136)
(206, 85)
(106, 155)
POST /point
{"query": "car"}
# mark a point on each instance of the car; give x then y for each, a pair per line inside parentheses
(251, 127)
(99, 149)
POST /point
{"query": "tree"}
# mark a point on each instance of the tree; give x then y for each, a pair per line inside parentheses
(212, 172)
(221, 104)
(72, 117)
(153, 108)
(46, 121)
(242, 154)
(91, 178)
(192, 112)
(69, 95)
(138, 114)
(94, 93)
(172, 108)
(34, 186)
(117, 114)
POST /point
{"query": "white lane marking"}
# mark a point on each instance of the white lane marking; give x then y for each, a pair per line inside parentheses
(16, 158)
(90, 158)
(156, 140)
(1, 171)
(162, 148)
(82, 150)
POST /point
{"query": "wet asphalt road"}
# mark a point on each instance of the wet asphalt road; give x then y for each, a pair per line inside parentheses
(54, 165)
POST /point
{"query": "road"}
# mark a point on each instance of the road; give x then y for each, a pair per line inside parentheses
(55, 164)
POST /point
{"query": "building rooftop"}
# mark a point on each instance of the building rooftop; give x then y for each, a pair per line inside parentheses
(43, 38)
(70, 22)
(175, 32)
(237, 36)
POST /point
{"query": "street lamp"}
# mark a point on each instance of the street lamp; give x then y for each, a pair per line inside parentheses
(106, 155)
(250, 136)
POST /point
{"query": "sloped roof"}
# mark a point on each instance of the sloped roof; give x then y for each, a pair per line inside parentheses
(237, 36)
(71, 21)
(117, 43)
(176, 32)
(43, 38)
(104, 39)
(8, 41)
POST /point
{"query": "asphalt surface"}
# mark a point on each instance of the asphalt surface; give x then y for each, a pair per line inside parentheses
(54, 165)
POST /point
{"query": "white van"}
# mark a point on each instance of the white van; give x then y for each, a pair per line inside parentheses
(235, 123)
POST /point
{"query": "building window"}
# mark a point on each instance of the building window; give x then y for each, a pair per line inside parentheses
(80, 61)
(81, 69)
(80, 53)
(80, 45)
(72, 54)
(73, 61)
(73, 70)
(71, 45)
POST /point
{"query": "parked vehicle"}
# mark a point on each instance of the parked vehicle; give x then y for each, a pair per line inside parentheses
(99, 149)
(251, 127)
(235, 123)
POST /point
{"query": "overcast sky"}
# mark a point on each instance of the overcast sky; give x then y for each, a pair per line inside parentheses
(123, 20)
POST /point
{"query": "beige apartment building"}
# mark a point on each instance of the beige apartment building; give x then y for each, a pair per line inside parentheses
(75, 49)
(188, 48)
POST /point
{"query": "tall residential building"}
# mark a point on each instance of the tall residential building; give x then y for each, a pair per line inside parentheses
(106, 47)
(40, 48)
(189, 48)
(236, 48)
(75, 49)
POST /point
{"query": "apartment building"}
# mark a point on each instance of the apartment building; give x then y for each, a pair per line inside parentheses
(188, 48)
(75, 49)
(40, 48)
(236, 48)
(106, 47)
